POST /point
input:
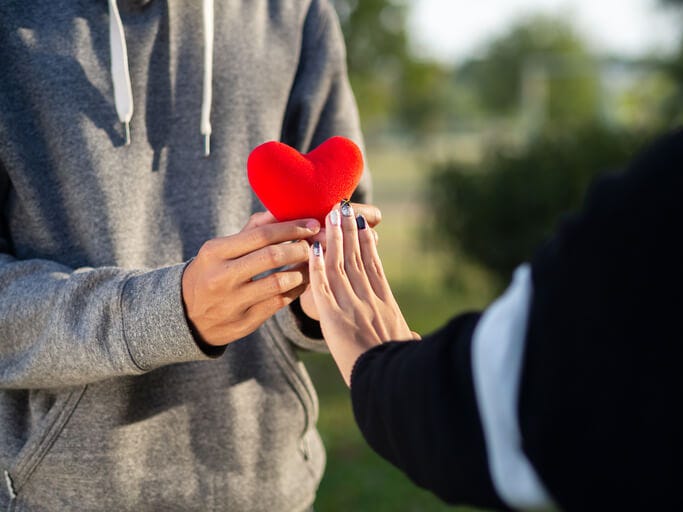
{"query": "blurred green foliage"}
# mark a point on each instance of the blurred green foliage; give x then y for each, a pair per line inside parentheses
(376, 45)
(500, 210)
(671, 110)
(570, 127)
(394, 90)
(540, 70)
(540, 58)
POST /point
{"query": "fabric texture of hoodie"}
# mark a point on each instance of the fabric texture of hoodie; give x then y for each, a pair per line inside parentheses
(106, 401)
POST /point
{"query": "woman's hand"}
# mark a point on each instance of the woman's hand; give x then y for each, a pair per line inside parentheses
(373, 216)
(356, 306)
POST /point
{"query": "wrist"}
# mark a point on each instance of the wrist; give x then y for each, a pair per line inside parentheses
(308, 326)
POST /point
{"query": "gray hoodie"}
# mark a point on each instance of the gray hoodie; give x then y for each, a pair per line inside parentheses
(106, 401)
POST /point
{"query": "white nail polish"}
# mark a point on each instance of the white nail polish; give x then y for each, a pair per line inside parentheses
(334, 217)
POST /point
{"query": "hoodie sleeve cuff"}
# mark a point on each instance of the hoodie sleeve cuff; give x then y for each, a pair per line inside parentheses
(155, 329)
(293, 329)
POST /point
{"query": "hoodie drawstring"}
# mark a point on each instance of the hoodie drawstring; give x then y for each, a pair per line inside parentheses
(123, 93)
(208, 75)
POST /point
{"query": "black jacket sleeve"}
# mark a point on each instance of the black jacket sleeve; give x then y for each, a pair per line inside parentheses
(601, 388)
(602, 383)
(415, 404)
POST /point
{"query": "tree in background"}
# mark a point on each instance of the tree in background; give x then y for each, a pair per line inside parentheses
(394, 89)
(376, 47)
(497, 211)
(672, 108)
(542, 68)
(541, 76)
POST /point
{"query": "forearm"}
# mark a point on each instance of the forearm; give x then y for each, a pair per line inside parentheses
(415, 404)
(346, 353)
(63, 326)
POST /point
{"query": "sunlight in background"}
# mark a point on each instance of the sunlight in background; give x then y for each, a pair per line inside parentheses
(451, 30)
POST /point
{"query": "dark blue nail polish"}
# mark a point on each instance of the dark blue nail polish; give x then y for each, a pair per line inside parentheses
(317, 249)
(360, 222)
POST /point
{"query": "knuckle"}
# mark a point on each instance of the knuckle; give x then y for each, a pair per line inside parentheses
(339, 268)
(353, 263)
(279, 283)
(278, 302)
(377, 269)
(302, 247)
(274, 256)
(208, 249)
(257, 237)
(257, 217)
(326, 290)
(214, 283)
(252, 321)
(269, 233)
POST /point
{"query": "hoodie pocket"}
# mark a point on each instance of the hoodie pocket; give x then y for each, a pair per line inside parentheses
(46, 432)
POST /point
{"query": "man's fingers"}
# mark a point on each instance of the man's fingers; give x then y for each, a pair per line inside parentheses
(272, 285)
(262, 311)
(268, 258)
(272, 234)
(245, 242)
(259, 219)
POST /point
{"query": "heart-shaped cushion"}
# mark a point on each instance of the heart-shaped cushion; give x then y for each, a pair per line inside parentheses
(292, 185)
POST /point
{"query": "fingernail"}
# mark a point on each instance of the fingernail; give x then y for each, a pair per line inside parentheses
(334, 217)
(313, 225)
(360, 222)
(346, 209)
(317, 249)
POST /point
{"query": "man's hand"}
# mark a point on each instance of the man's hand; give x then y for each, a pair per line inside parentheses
(372, 216)
(222, 300)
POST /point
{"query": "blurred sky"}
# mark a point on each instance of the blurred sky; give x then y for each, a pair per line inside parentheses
(451, 30)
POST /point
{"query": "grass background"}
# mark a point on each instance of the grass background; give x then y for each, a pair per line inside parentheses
(431, 286)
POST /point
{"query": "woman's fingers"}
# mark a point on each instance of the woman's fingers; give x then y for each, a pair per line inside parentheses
(322, 294)
(353, 267)
(259, 219)
(353, 263)
(334, 261)
(353, 297)
(371, 262)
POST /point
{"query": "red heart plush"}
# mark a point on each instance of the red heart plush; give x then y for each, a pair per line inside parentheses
(292, 185)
